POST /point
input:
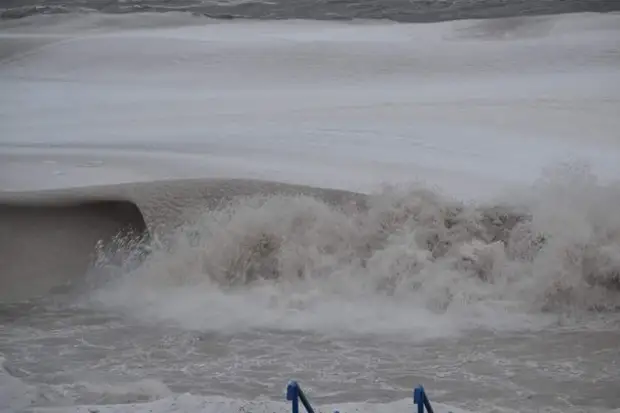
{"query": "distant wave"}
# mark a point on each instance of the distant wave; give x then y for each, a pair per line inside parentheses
(396, 10)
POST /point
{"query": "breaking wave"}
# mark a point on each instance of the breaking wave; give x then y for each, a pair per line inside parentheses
(296, 261)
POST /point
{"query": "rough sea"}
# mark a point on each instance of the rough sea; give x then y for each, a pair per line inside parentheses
(202, 200)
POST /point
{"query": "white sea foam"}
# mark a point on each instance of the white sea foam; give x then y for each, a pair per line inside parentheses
(411, 261)
(189, 403)
(14, 393)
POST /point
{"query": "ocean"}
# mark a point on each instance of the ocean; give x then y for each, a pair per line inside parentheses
(200, 201)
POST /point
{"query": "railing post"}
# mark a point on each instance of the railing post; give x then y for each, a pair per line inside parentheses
(420, 399)
(292, 395)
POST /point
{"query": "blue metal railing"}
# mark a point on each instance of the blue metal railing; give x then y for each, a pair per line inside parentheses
(420, 398)
(295, 394)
